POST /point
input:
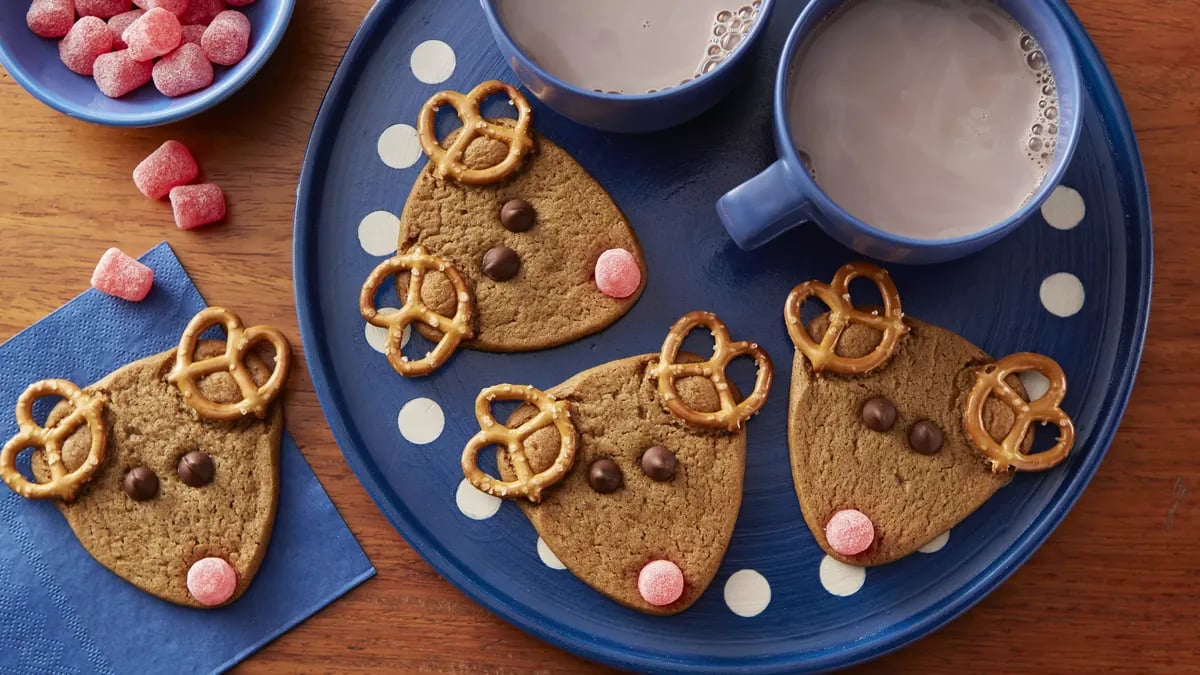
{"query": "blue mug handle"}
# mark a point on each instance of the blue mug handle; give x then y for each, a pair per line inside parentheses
(765, 206)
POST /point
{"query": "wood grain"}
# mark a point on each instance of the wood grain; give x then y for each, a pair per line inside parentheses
(1116, 588)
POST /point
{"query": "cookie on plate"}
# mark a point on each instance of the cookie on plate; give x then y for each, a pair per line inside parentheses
(898, 429)
(631, 472)
(167, 469)
(504, 231)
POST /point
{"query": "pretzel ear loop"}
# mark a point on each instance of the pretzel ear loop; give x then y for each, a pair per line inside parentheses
(1005, 454)
(86, 409)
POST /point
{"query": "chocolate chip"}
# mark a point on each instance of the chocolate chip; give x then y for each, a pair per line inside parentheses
(140, 483)
(605, 476)
(501, 263)
(517, 215)
(659, 463)
(879, 414)
(196, 469)
(925, 437)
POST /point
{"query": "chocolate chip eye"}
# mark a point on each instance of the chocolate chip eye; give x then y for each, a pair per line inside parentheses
(517, 215)
(140, 483)
(196, 469)
(501, 263)
(879, 414)
(659, 463)
(925, 437)
(605, 476)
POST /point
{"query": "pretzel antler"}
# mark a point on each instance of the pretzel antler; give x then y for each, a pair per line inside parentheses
(86, 409)
(732, 414)
(449, 161)
(823, 356)
(238, 343)
(551, 413)
(453, 329)
(1006, 453)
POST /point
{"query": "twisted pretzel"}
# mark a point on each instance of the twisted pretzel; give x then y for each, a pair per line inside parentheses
(1006, 453)
(453, 329)
(86, 409)
(732, 414)
(842, 313)
(527, 484)
(449, 161)
(238, 342)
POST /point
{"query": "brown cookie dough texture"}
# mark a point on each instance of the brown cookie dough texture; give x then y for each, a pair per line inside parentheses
(552, 299)
(838, 462)
(153, 543)
(606, 539)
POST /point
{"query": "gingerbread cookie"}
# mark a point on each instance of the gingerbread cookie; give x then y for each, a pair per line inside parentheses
(632, 471)
(899, 429)
(506, 243)
(167, 470)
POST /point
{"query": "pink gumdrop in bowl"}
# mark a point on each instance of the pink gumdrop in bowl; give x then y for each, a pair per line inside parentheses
(34, 63)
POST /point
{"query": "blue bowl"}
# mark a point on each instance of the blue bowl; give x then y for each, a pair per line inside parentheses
(627, 113)
(33, 62)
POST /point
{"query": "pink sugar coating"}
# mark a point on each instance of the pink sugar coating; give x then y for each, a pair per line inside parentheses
(227, 38)
(192, 34)
(121, 276)
(850, 532)
(119, 23)
(170, 166)
(211, 581)
(117, 74)
(617, 273)
(239, 3)
(51, 18)
(105, 9)
(176, 7)
(183, 71)
(201, 12)
(155, 33)
(87, 39)
(660, 582)
(197, 205)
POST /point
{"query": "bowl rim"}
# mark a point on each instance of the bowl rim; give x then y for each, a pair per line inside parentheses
(507, 43)
(179, 109)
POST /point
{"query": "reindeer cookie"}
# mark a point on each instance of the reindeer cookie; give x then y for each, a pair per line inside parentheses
(502, 221)
(632, 471)
(167, 470)
(898, 429)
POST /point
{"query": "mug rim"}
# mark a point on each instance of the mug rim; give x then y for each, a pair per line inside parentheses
(501, 33)
(824, 204)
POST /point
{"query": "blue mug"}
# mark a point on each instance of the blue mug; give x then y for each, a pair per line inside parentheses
(627, 113)
(785, 195)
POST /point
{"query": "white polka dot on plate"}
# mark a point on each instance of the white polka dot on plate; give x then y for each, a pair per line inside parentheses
(433, 62)
(378, 233)
(421, 421)
(378, 337)
(1064, 209)
(1036, 384)
(747, 593)
(548, 556)
(474, 504)
(936, 544)
(841, 579)
(398, 146)
(1062, 294)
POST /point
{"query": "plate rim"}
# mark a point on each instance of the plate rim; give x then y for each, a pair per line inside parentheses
(1097, 78)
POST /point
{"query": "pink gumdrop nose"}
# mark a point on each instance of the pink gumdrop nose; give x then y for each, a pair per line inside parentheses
(850, 532)
(211, 581)
(660, 582)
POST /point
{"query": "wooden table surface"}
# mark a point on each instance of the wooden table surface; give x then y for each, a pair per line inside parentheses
(1117, 586)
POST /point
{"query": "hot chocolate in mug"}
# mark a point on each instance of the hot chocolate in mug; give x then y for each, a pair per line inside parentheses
(915, 131)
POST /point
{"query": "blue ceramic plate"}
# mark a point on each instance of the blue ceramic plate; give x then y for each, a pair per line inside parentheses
(34, 63)
(404, 437)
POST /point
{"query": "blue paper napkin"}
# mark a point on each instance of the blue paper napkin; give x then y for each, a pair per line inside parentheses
(60, 611)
